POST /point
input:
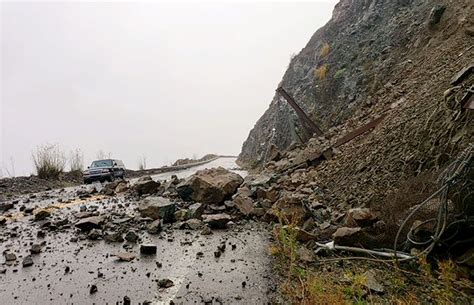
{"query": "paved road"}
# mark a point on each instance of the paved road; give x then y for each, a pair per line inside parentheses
(66, 268)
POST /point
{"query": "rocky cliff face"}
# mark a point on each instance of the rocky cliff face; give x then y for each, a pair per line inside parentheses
(355, 61)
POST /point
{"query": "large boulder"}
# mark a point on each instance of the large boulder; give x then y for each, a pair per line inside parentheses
(157, 208)
(210, 185)
(146, 185)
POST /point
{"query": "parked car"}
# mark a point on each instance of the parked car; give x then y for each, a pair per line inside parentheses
(104, 170)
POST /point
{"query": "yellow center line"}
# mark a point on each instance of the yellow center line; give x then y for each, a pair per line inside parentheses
(56, 206)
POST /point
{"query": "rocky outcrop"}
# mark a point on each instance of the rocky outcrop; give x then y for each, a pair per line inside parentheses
(353, 61)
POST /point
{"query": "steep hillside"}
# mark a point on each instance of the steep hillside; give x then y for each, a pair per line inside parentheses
(364, 59)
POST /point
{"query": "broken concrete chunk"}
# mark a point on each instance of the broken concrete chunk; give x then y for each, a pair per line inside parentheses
(148, 249)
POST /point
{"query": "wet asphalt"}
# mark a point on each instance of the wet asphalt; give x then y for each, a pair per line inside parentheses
(70, 267)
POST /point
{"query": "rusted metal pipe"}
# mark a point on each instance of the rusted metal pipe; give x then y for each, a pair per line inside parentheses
(307, 123)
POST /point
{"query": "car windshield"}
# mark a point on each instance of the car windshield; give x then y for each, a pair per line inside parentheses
(101, 163)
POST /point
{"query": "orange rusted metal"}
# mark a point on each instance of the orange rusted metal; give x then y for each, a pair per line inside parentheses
(307, 123)
(361, 130)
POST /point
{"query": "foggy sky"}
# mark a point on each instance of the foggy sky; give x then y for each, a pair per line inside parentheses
(164, 80)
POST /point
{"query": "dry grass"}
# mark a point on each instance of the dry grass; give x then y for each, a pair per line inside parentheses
(49, 161)
(76, 160)
(325, 50)
(321, 72)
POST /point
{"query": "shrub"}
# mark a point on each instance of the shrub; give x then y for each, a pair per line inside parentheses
(49, 161)
(76, 160)
(321, 72)
(325, 50)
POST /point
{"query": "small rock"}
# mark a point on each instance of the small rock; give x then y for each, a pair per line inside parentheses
(126, 300)
(27, 261)
(372, 283)
(89, 223)
(94, 234)
(131, 236)
(9, 256)
(6, 206)
(195, 210)
(154, 227)
(217, 221)
(93, 289)
(125, 256)
(305, 254)
(181, 215)
(35, 248)
(113, 237)
(194, 224)
(206, 231)
(165, 283)
(436, 14)
(42, 214)
(346, 236)
(360, 217)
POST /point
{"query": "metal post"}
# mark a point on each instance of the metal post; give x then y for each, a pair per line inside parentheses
(309, 125)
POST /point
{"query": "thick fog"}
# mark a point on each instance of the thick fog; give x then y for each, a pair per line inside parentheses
(164, 80)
